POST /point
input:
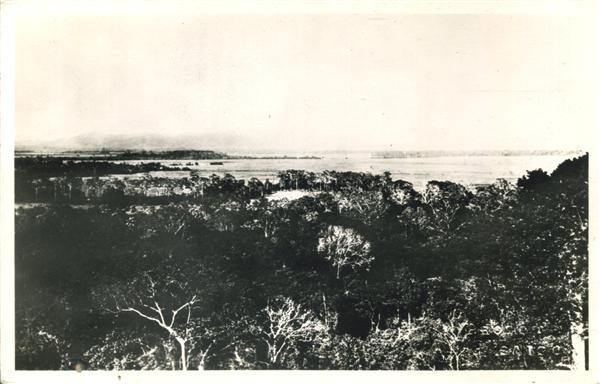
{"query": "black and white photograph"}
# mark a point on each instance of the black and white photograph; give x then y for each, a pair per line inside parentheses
(303, 186)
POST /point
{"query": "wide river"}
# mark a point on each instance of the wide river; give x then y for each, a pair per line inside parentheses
(467, 170)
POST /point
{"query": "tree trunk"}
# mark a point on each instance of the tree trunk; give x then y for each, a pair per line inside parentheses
(181, 342)
(325, 311)
(577, 346)
(576, 331)
(272, 354)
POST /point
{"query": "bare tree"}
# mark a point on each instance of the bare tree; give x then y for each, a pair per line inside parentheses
(286, 324)
(345, 247)
(168, 301)
(165, 316)
(453, 335)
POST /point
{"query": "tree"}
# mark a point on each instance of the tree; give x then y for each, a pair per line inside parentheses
(453, 335)
(553, 212)
(402, 193)
(495, 197)
(571, 179)
(533, 180)
(151, 310)
(345, 247)
(365, 206)
(445, 200)
(167, 299)
(39, 348)
(133, 349)
(255, 188)
(286, 324)
(266, 216)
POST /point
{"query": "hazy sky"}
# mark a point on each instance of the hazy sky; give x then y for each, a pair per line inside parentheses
(311, 82)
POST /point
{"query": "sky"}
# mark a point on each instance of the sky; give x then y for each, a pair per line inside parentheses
(306, 82)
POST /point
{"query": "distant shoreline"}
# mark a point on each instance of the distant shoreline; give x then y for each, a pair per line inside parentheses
(121, 155)
(153, 155)
(420, 154)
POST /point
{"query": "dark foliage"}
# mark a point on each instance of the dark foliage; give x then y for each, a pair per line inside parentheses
(363, 273)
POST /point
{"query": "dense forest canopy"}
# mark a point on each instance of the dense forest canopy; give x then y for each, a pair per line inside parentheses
(363, 272)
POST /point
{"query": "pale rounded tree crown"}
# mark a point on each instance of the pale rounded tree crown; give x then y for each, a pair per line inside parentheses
(345, 246)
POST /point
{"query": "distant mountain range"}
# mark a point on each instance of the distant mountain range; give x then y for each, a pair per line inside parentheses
(155, 142)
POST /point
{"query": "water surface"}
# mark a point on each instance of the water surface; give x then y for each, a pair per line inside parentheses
(467, 170)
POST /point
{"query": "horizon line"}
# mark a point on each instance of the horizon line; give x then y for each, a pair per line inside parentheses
(49, 149)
